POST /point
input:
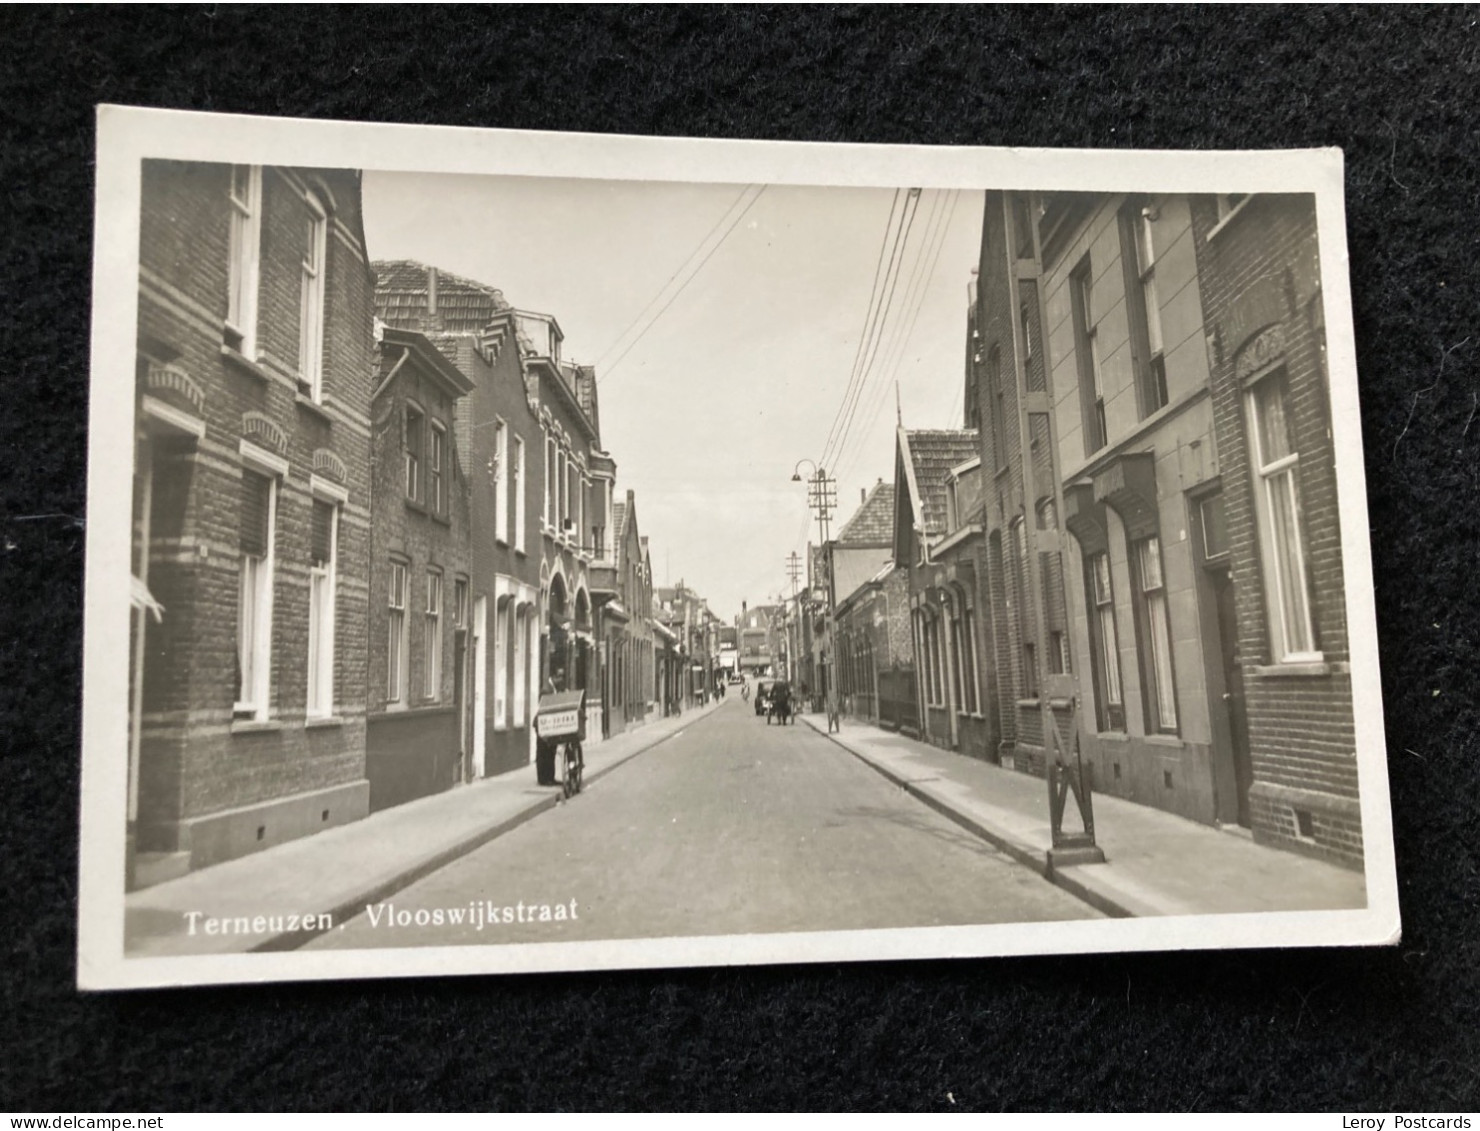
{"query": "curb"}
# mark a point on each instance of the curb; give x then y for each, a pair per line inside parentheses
(1030, 857)
(384, 887)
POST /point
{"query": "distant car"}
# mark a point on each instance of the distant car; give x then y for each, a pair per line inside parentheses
(736, 677)
(763, 697)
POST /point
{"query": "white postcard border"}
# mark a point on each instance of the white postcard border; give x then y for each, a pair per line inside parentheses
(127, 135)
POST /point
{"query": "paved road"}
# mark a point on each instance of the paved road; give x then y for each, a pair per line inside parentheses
(729, 827)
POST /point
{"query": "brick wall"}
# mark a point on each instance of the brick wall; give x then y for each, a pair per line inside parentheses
(1258, 270)
(195, 760)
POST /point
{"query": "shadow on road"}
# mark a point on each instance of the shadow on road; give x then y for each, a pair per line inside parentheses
(926, 821)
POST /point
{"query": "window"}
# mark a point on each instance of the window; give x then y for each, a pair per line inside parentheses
(432, 638)
(1106, 645)
(1156, 634)
(254, 595)
(562, 510)
(395, 651)
(1087, 351)
(412, 443)
(968, 652)
(519, 664)
(311, 302)
(436, 450)
(245, 257)
(1027, 335)
(502, 668)
(517, 473)
(1058, 652)
(999, 408)
(1027, 629)
(323, 555)
(501, 481)
(1214, 526)
(1275, 463)
(460, 603)
(551, 477)
(580, 531)
(1137, 224)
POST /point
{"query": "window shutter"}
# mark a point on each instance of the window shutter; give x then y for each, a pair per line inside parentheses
(256, 490)
(321, 534)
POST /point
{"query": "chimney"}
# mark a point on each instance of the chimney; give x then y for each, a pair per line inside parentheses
(432, 293)
(862, 495)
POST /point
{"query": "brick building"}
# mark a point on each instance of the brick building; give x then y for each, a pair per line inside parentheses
(937, 540)
(862, 558)
(420, 724)
(574, 513)
(251, 549)
(500, 440)
(1161, 359)
(1266, 536)
(624, 590)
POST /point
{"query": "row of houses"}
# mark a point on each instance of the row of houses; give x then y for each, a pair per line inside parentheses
(1134, 541)
(373, 520)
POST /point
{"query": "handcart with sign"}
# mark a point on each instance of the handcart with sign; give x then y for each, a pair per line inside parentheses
(560, 728)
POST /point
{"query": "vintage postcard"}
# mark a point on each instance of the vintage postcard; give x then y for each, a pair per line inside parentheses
(528, 552)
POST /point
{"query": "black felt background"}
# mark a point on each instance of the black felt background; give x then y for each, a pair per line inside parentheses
(1397, 89)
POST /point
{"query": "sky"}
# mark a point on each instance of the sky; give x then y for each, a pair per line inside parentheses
(725, 323)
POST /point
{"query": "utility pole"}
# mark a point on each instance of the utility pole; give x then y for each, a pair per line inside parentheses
(822, 495)
(793, 620)
(1057, 692)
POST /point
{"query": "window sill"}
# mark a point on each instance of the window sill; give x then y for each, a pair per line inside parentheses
(443, 519)
(313, 407)
(1168, 740)
(1311, 669)
(254, 726)
(322, 721)
(241, 361)
(1112, 736)
(413, 505)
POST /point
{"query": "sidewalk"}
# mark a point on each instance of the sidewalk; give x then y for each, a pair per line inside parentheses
(1156, 863)
(340, 870)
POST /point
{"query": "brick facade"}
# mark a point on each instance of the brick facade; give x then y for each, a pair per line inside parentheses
(236, 430)
(419, 703)
(1259, 270)
(502, 444)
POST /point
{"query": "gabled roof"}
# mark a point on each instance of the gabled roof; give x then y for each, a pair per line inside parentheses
(927, 455)
(402, 290)
(872, 523)
(455, 383)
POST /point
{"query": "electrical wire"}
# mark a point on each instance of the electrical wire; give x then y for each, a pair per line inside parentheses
(891, 285)
(868, 315)
(600, 361)
(683, 286)
(895, 354)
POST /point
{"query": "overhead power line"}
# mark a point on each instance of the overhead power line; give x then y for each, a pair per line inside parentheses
(868, 315)
(682, 286)
(916, 292)
(652, 302)
(891, 283)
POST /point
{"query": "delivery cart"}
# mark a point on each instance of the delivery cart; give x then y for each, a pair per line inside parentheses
(560, 728)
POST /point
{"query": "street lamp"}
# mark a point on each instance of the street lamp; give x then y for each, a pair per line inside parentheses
(822, 495)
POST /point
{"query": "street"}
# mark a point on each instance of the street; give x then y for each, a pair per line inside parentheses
(732, 826)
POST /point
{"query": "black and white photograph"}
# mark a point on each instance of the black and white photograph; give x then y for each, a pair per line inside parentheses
(532, 552)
